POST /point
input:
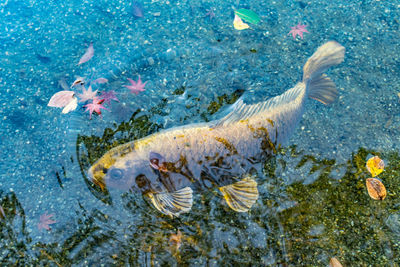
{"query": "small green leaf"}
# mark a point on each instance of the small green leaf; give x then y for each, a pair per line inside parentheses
(248, 15)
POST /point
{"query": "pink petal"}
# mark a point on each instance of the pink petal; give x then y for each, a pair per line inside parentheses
(131, 81)
(50, 221)
(43, 225)
(45, 220)
(100, 80)
(39, 226)
(301, 27)
(137, 9)
(61, 99)
(88, 55)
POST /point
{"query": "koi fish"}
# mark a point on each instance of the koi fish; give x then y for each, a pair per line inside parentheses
(166, 166)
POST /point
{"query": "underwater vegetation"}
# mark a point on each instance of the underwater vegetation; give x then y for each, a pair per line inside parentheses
(336, 217)
(299, 223)
(331, 217)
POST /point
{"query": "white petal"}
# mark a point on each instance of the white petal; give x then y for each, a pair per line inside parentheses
(71, 106)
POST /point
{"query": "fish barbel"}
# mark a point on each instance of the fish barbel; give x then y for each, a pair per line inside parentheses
(167, 165)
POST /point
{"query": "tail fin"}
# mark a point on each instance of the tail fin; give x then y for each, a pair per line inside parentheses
(320, 87)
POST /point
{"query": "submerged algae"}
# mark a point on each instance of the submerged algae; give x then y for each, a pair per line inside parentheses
(332, 216)
(14, 238)
(291, 224)
(336, 217)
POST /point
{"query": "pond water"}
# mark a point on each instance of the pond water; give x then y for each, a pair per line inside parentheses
(313, 202)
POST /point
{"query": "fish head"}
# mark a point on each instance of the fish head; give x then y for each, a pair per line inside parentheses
(134, 175)
(123, 168)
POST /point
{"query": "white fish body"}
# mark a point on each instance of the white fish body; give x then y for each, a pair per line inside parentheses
(165, 165)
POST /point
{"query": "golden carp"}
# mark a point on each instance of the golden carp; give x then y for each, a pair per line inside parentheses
(167, 165)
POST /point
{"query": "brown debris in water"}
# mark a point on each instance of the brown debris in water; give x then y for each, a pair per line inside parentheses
(335, 263)
(176, 240)
(376, 189)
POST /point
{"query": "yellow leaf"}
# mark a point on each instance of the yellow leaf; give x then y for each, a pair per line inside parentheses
(238, 24)
(335, 263)
(376, 189)
(375, 166)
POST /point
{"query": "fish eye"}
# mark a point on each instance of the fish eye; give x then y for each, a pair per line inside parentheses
(116, 174)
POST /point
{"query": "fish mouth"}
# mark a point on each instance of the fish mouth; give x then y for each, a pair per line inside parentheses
(97, 177)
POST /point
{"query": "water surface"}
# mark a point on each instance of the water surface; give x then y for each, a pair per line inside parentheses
(313, 201)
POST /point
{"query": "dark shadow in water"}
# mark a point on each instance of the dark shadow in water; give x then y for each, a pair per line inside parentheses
(14, 238)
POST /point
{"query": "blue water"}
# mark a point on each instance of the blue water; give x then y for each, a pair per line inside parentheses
(177, 48)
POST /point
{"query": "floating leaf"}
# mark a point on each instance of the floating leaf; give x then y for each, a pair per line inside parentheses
(376, 189)
(2, 212)
(375, 166)
(248, 15)
(71, 106)
(88, 55)
(335, 263)
(100, 80)
(61, 99)
(137, 9)
(176, 240)
(238, 24)
(79, 80)
(45, 221)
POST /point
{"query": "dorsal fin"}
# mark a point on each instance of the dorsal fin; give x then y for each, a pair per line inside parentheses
(173, 203)
(243, 111)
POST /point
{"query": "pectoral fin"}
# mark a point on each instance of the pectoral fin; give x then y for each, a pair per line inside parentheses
(241, 195)
(173, 203)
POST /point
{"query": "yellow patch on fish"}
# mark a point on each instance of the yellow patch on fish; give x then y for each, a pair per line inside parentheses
(375, 166)
(227, 144)
(144, 141)
(107, 161)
